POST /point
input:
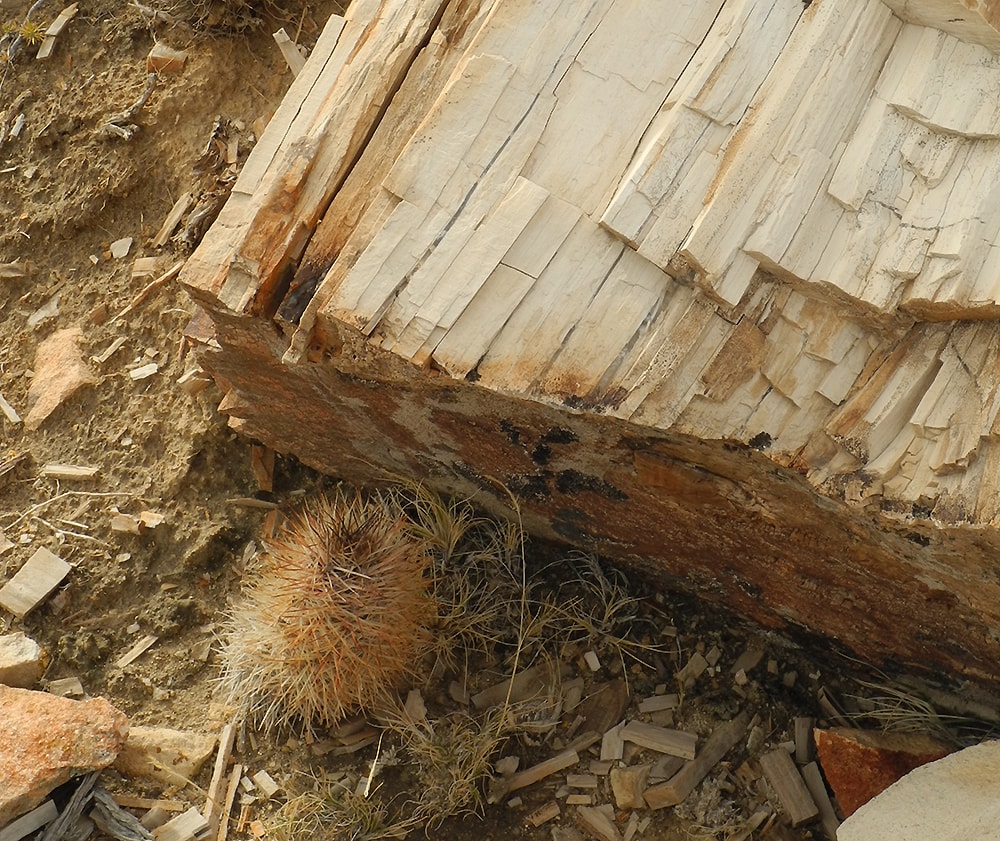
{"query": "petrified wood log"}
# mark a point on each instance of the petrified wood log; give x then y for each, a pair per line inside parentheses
(713, 291)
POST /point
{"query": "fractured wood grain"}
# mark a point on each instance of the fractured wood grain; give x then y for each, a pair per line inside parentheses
(763, 228)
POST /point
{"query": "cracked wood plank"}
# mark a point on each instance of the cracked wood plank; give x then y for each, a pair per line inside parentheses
(645, 270)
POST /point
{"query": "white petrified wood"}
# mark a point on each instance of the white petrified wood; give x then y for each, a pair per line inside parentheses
(731, 222)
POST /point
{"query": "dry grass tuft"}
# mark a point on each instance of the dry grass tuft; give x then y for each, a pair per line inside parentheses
(453, 758)
(334, 812)
(335, 614)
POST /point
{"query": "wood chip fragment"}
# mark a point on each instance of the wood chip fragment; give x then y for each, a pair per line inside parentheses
(803, 739)
(692, 670)
(817, 788)
(109, 351)
(181, 206)
(530, 776)
(628, 785)
(262, 465)
(136, 651)
(155, 818)
(612, 743)
(531, 684)
(234, 785)
(69, 472)
(265, 782)
(660, 739)
(13, 271)
(581, 781)
(194, 381)
(127, 801)
(8, 411)
(290, 51)
(54, 30)
(149, 289)
(723, 738)
(748, 660)
(544, 814)
(217, 787)
(33, 582)
(144, 371)
(66, 687)
(791, 789)
(597, 823)
(26, 824)
(752, 824)
(124, 523)
(185, 827)
(655, 703)
(164, 59)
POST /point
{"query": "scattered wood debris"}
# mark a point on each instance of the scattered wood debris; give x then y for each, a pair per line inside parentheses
(262, 465)
(194, 381)
(227, 807)
(144, 267)
(48, 310)
(10, 114)
(723, 738)
(628, 785)
(181, 206)
(265, 782)
(114, 821)
(143, 372)
(130, 802)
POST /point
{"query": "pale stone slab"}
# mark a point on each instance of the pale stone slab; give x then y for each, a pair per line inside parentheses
(164, 754)
(33, 582)
(952, 799)
(21, 660)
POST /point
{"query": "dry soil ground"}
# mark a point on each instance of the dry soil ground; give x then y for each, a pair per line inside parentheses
(69, 189)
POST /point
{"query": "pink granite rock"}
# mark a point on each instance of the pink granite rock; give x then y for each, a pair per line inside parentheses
(46, 740)
(59, 371)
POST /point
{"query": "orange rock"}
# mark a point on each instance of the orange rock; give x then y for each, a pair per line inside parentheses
(859, 764)
(59, 371)
(46, 740)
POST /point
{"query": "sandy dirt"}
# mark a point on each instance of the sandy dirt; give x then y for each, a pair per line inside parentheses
(69, 188)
